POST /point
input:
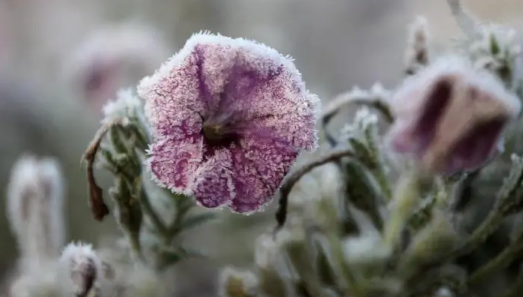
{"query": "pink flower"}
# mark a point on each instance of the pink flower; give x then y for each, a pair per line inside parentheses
(451, 116)
(229, 118)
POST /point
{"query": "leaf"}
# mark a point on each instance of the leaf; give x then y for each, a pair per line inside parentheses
(196, 220)
(494, 46)
(171, 256)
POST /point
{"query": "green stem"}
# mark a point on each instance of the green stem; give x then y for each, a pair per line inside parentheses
(405, 198)
(499, 262)
(339, 257)
(480, 235)
(383, 182)
(148, 209)
(517, 287)
(136, 247)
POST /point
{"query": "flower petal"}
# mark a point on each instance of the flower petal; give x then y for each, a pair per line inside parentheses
(213, 184)
(298, 130)
(259, 166)
(173, 163)
(241, 80)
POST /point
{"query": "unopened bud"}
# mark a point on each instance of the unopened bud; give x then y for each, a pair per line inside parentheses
(83, 267)
(451, 116)
(35, 207)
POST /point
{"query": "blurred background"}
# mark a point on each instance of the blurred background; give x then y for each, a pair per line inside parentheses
(60, 60)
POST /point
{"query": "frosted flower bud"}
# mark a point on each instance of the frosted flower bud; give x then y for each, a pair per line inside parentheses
(238, 283)
(35, 207)
(451, 116)
(112, 57)
(83, 267)
(229, 118)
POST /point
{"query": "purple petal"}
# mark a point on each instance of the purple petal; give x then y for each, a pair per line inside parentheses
(259, 166)
(477, 146)
(213, 184)
(241, 81)
(297, 130)
(172, 93)
(173, 163)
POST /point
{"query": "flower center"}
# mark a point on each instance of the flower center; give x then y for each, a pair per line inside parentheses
(213, 132)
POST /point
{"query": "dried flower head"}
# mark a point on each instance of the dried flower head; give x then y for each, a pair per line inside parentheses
(35, 207)
(82, 265)
(229, 117)
(451, 116)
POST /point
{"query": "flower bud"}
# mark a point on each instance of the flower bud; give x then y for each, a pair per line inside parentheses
(83, 267)
(35, 208)
(451, 116)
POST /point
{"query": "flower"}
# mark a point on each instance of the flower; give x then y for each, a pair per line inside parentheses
(451, 116)
(229, 118)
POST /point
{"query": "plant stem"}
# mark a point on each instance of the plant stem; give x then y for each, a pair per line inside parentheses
(499, 262)
(293, 178)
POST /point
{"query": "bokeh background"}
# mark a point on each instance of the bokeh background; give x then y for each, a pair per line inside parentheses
(60, 60)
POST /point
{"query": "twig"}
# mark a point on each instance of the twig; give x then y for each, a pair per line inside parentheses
(292, 179)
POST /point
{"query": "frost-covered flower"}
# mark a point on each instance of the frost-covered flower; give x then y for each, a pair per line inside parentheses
(229, 117)
(451, 116)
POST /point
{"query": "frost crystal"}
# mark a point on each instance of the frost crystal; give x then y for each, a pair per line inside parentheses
(229, 117)
(124, 106)
(363, 121)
